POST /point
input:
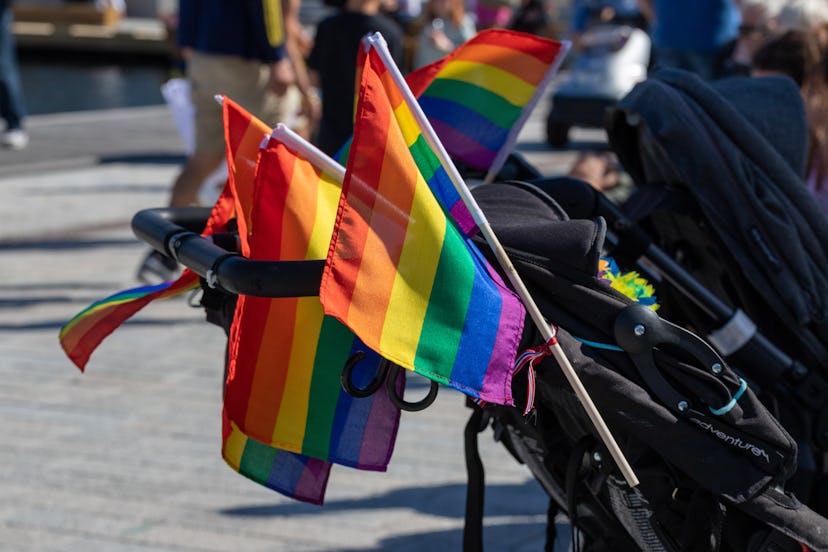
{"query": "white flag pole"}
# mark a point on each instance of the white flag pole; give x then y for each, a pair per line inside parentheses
(376, 41)
(313, 154)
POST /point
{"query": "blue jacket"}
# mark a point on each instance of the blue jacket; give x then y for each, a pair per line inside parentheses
(251, 29)
(695, 25)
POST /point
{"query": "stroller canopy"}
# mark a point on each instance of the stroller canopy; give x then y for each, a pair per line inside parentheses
(738, 146)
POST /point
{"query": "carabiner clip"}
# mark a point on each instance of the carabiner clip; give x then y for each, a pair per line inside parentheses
(400, 402)
(389, 372)
(372, 387)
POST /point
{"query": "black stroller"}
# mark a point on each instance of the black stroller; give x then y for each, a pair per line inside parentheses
(721, 221)
(715, 464)
(737, 218)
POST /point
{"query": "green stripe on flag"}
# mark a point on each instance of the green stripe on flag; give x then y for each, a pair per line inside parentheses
(257, 460)
(424, 157)
(325, 386)
(487, 104)
(447, 306)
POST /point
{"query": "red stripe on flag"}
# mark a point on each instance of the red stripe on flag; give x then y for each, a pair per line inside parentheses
(243, 134)
(543, 49)
(521, 64)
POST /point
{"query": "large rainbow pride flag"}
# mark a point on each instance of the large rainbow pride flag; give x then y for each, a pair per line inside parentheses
(400, 272)
(283, 387)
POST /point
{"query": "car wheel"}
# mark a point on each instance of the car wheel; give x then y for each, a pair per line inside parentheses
(557, 134)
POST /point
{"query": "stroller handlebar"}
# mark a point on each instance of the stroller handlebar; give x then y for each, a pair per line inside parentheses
(171, 232)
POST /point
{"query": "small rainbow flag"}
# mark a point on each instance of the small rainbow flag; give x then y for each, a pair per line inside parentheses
(399, 271)
(293, 475)
(86, 330)
(478, 96)
(283, 387)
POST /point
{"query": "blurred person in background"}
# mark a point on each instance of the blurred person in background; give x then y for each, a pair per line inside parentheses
(586, 13)
(493, 14)
(444, 27)
(12, 104)
(690, 34)
(802, 14)
(759, 23)
(332, 64)
(236, 49)
(298, 46)
(800, 55)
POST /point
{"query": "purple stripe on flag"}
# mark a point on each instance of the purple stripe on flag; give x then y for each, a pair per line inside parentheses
(511, 324)
(314, 480)
(299, 477)
(460, 213)
(462, 147)
(381, 428)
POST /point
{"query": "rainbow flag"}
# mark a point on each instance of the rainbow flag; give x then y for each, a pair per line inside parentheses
(86, 330)
(400, 273)
(293, 475)
(283, 387)
(243, 136)
(478, 96)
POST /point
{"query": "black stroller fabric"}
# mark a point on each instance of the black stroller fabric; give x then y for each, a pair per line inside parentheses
(737, 147)
(719, 171)
(701, 487)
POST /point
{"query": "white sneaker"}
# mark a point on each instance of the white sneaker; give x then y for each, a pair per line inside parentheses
(15, 139)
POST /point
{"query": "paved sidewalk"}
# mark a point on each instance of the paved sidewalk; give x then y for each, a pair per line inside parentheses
(126, 457)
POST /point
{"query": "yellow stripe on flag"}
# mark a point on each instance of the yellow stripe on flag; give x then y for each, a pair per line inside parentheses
(320, 238)
(234, 447)
(513, 89)
(416, 273)
(293, 414)
(408, 125)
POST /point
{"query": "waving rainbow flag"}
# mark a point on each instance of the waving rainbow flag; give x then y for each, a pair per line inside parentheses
(400, 273)
(478, 96)
(86, 330)
(283, 387)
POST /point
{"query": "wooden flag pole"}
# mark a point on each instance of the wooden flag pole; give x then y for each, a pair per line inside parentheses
(376, 41)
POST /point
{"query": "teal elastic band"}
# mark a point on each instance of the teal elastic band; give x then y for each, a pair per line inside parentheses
(729, 406)
(596, 345)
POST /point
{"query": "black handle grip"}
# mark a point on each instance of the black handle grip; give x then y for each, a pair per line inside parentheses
(170, 231)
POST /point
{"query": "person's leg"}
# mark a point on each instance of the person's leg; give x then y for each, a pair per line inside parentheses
(198, 167)
(12, 105)
(206, 74)
(11, 95)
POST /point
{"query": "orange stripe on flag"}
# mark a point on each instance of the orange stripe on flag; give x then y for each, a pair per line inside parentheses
(300, 211)
(524, 66)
